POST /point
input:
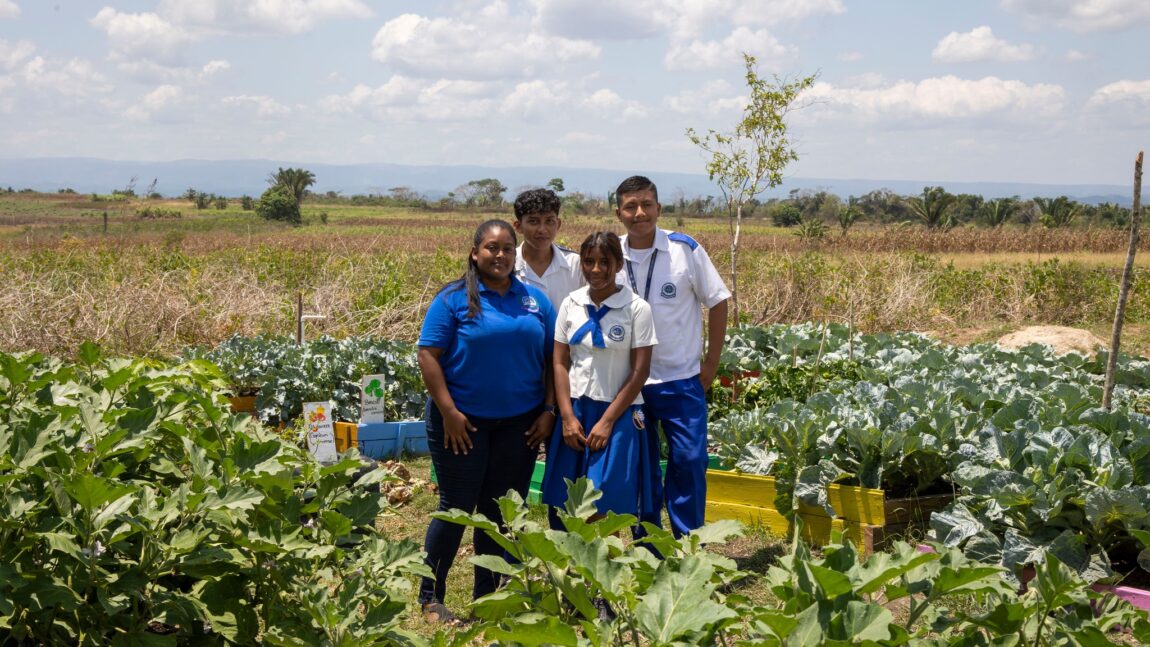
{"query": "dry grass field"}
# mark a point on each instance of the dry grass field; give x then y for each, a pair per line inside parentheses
(151, 285)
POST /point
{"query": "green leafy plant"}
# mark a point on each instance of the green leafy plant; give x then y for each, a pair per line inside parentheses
(556, 577)
(949, 599)
(134, 509)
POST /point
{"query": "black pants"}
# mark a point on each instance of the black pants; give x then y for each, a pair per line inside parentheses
(499, 460)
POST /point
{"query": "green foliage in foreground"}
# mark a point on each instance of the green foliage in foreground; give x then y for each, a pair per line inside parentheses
(284, 375)
(691, 597)
(135, 510)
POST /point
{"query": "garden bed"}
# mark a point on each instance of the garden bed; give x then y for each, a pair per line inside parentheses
(863, 515)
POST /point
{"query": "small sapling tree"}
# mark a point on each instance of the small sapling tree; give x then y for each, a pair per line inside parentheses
(751, 158)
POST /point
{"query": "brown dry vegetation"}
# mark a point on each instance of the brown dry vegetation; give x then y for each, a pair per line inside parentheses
(154, 286)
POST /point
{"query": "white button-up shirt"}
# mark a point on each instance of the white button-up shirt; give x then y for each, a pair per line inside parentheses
(562, 277)
(682, 279)
(599, 373)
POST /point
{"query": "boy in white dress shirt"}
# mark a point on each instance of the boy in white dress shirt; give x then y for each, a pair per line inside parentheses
(673, 273)
(539, 261)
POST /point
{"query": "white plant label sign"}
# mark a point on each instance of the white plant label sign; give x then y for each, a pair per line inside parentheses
(320, 431)
(371, 399)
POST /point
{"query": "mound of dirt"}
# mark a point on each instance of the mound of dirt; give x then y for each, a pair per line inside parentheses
(1061, 338)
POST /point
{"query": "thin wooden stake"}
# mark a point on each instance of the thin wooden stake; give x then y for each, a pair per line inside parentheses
(299, 319)
(1124, 290)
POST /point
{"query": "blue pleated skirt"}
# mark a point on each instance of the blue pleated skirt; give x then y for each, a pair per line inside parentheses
(621, 470)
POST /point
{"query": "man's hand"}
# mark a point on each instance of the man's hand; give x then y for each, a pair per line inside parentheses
(707, 372)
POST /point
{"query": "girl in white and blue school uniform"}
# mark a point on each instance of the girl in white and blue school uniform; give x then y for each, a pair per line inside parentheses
(603, 340)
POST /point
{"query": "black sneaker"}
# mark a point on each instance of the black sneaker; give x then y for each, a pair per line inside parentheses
(606, 613)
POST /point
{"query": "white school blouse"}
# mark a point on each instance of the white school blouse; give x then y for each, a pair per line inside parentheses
(599, 373)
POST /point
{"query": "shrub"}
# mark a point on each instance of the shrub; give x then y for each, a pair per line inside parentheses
(278, 203)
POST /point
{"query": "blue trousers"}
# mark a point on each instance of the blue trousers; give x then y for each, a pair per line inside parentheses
(499, 460)
(679, 408)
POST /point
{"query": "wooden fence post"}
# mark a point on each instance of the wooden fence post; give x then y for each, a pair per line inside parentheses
(1124, 289)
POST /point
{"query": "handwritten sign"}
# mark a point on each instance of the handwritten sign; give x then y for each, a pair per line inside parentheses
(371, 407)
(320, 431)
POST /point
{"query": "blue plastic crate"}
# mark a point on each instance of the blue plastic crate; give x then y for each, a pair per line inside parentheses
(382, 440)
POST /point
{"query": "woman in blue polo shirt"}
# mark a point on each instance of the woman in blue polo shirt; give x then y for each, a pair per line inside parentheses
(485, 355)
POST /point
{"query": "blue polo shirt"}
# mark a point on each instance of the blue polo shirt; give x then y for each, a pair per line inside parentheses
(493, 363)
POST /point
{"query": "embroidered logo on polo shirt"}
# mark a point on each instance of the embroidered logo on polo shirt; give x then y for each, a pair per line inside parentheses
(616, 333)
(667, 291)
(530, 304)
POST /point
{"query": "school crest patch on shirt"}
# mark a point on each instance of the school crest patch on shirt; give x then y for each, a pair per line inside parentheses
(616, 333)
(530, 304)
(667, 291)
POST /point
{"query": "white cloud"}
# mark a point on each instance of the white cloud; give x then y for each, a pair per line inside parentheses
(1135, 92)
(243, 17)
(605, 19)
(160, 99)
(980, 44)
(9, 9)
(703, 55)
(75, 78)
(601, 19)
(491, 43)
(607, 103)
(142, 35)
(264, 107)
(713, 98)
(1075, 56)
(534, 98)
(141, 41)
(13, 54)
(940, 99)
(1085, 15)
(212, 68)
(415, 100)
(1124, 105)
(850, 57)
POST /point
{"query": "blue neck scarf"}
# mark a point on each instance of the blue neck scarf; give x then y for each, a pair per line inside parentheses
(592, 326)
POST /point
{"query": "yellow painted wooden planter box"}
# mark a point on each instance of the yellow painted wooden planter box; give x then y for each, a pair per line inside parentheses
(243, 404)
(750, 499)
(864, 515)
(346, 435)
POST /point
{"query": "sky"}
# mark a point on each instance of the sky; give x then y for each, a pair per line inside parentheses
(1048, 91)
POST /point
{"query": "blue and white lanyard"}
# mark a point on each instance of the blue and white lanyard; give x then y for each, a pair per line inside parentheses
(650, 273)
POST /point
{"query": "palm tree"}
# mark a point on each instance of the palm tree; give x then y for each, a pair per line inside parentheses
(933, 207)
(295, 180)
(1057, 212)
(996, 212)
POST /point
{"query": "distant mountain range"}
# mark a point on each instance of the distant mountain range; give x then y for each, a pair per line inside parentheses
(234, 178)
